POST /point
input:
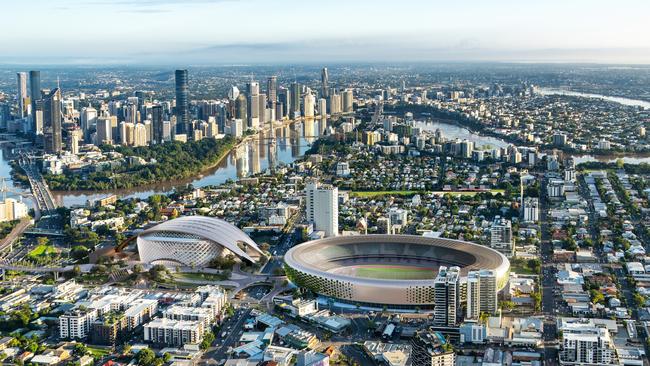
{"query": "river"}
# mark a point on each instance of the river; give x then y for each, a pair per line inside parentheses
(624, 101)
(270, 149)
(291, 142)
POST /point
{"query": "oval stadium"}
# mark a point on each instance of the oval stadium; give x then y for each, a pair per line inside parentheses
(394, 270)
(195, 241)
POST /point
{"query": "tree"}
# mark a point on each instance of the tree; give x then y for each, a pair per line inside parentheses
(507, 305)
(138, 268)
(80, 349)
(597, 297)
(145, 357)
(76, 270)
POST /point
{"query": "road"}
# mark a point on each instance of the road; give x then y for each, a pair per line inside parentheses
(15, 233)
(40, 190)
(234, 327)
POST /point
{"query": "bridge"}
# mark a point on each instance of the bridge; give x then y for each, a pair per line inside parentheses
(44, 232)
(40, 190)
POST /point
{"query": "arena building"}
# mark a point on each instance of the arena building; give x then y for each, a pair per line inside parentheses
(195, 241)
(386, 270)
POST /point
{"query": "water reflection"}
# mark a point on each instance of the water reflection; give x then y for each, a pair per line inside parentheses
(451, 132)
(281, 145)
(620, 100)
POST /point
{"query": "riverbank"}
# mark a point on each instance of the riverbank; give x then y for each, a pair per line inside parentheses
(165, 162)
(456, 119)
(215, 173)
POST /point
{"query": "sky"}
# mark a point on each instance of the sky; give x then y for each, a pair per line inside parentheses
(204, 32)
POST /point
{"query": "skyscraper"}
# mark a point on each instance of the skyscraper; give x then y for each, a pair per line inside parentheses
(104, 131)
(325, 80)
(35, 97)
(446, 296)
(182, 102)
(309, 104)
(34, 85)
(348, 101)
(157, 124)
(52, 118)
(261, 106)
(323, 207)
(272, 89)
(252, 105)
(22, 94)
(294, 99)
(240, 108)
(88, 121)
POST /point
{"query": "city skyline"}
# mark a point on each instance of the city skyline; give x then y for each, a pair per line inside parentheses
(204, 32)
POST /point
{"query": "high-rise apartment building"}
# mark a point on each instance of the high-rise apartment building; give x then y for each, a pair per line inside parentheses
(481, 293)
(104, 133)
(348, 101)
(323, 207)
(446, 296)
(501, 236)
(309, 104)
(531, 209)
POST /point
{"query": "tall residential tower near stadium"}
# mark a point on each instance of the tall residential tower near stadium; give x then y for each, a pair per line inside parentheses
(323, 207)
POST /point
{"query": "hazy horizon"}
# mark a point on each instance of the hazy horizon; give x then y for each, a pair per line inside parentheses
(207, 32)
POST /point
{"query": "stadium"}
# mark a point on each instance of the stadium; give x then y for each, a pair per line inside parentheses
(385, 270)
(195, 241)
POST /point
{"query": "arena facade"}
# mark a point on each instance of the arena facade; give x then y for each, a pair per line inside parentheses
(194, 241)
(386, 270)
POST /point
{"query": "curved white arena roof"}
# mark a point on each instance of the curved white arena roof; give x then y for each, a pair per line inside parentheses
(194, 238)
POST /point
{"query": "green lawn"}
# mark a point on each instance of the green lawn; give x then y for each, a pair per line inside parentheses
(42, 250)
(371, 194)
(395, 273)
(97, 351)
(521, 266)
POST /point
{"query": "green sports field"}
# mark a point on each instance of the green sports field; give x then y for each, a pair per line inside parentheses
(395, 273)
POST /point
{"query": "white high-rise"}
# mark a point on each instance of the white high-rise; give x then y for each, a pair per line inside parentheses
(22, 94)
(531, 209)
(140, 135)
(309, 104)
(481, 293)
(501, 236)
(104, 131)
(347, 100)
(323, 207)
(446, 296)
(88, 120)
(322, 107)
